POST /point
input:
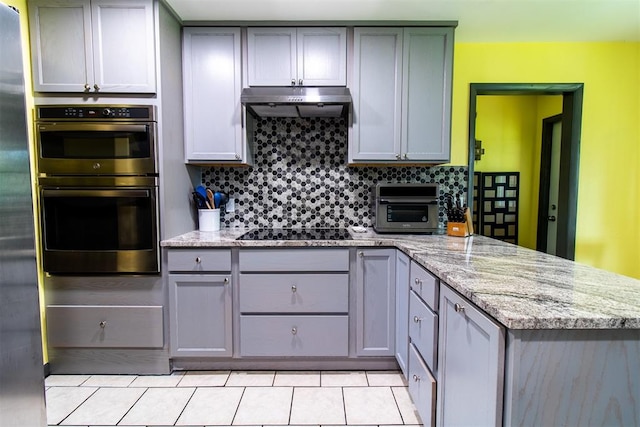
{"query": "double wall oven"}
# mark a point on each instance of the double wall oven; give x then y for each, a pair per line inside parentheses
(98, 184)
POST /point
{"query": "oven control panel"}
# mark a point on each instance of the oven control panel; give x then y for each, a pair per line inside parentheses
(101, 112)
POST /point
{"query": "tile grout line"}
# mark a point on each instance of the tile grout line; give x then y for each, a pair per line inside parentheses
(235, 414)
(186, 404)
(131, 407)
(81, 403)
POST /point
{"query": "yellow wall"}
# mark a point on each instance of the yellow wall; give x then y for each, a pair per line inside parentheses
(608, 234)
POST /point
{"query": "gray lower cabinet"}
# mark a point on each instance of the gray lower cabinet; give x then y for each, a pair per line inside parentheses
(470, 364)
(200, 303)
(294, 302)
(422, 387)
(375, 302)
(402, 311)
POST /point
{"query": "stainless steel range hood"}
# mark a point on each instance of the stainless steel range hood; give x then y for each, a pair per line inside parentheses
(297, 101)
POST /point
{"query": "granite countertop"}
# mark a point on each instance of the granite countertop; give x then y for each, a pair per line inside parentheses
(518, 287)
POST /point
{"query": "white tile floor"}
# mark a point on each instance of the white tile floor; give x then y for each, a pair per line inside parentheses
(237, 398)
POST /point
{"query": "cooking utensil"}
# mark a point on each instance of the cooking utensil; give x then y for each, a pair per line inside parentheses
(201, 202)
(211, 198)
(216, 199)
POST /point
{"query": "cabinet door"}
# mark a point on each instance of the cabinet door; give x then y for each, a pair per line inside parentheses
(212, 87)
(422, 388)
(426, 93)
(322, 56)
(61, 49)
(271, 56)
(376, 92)
(124, 48)
(375, 302)
(470, 364)
(402, 311)
(200, 310)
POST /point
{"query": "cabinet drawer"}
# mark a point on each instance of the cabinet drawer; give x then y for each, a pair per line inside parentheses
(104, 326)
(195, 260)
(294, 293)
(425, 285)
(264, 260)
(294, 335)
(422, 388)
(423, 326)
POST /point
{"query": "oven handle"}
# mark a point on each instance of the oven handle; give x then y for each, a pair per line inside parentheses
(96, 193)
(92, 127)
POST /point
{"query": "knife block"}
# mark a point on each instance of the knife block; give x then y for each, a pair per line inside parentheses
(457, 229)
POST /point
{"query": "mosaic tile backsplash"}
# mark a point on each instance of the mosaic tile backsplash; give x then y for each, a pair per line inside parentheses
(301, 178)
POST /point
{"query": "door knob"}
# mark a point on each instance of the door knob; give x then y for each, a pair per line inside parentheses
(552, 218)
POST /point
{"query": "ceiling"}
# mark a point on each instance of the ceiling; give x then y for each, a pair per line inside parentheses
(478, 20)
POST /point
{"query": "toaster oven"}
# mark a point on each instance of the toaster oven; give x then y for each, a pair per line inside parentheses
(406, 208)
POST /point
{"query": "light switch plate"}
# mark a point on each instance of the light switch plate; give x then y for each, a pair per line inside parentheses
(231, 205)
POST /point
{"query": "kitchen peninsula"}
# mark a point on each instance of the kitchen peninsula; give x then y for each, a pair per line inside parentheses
(521, 337)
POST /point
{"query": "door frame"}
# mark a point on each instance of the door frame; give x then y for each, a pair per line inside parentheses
(572, 94)
(545, 180)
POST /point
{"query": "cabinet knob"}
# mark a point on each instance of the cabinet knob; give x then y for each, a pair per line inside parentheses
(416, 378)
(418, 282)
(300, 82)
(294, 288)
(398, 156)
(361, 254)
(293, 82)
(87, 88)
(405, 156)
(237, 156)
(417, 319)
(458, 308)
(96, 87)
(198, 260)
(103, 324)
(226, 280)
(294, 330)
(96, 165)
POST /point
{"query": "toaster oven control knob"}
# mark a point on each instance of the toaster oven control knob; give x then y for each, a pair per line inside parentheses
(107, 112)
(97, 165)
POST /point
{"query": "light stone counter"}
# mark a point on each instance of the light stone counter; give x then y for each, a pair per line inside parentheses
(519, 287)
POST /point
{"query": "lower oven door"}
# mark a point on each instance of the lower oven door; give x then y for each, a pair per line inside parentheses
(99, 230)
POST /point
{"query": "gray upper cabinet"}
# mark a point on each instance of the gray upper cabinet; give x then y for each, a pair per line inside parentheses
(401, 88)
(313, 56)
(212, 83)
(93, 46)
(470, 364)
(375, 302)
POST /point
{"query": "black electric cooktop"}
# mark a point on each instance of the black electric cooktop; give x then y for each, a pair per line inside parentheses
(296, 234)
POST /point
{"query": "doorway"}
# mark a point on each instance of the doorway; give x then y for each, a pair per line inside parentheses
(569, 149)
(548, 212)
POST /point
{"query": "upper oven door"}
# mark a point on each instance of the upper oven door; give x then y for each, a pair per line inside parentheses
(81, 148)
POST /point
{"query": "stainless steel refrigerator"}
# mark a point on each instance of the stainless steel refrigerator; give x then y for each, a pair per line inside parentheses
(21, 364)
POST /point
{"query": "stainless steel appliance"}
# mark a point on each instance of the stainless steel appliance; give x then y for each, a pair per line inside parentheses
(98, 188)
(297, 101)
(21, 364)
(406, 208)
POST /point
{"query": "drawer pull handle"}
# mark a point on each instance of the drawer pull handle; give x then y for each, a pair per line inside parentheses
(294, 289)
(226, 280)
(294, 331)
(198, 260)
(416, 378)
(103, 324)
(417, 319)
(458, 308)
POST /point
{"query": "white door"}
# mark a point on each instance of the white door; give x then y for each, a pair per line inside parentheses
(271, 56)
(322, 56)
(554, 183)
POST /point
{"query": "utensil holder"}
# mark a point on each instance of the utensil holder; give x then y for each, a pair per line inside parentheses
(209, 219)
(457, 229)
